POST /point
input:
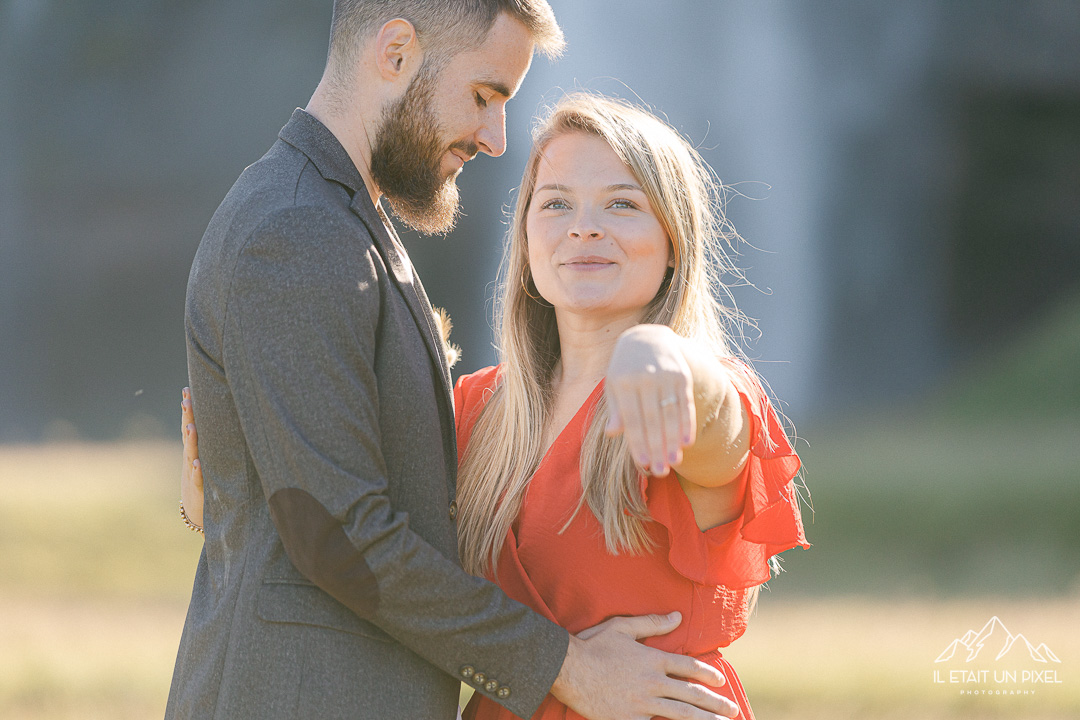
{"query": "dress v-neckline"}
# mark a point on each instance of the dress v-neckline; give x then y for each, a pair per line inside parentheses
(590, 401)
(514, 530)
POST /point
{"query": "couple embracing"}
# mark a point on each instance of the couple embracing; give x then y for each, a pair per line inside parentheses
(574, 533)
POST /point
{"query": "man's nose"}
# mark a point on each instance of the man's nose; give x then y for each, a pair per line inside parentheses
(492, 135)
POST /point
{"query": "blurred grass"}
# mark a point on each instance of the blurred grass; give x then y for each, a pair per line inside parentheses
(95, 572)
(96, 569)
(78, 520)
(933, 508)
(859, 657)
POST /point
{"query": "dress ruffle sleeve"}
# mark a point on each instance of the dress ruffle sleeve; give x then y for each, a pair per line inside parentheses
(736, 554)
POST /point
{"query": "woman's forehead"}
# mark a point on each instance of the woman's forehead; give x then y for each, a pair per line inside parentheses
(579, 158)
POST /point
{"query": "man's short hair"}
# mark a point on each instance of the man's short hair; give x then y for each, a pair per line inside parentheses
(444, 27)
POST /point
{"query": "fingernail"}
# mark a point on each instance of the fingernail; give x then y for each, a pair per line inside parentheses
(195, 464)
(673, 457)
(660, 469)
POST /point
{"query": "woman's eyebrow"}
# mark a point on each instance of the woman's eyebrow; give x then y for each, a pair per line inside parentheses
(609, 188)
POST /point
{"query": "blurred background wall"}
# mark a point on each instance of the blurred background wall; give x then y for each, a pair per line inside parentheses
(914, 169)
(911, 174)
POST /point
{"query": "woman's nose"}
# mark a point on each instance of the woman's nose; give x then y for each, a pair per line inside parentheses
(586, 227)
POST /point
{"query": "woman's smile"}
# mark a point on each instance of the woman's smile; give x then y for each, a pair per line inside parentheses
(590, 263)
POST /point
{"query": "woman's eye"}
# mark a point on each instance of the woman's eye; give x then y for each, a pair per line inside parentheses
(554, 205)
(480, 101)
(623, 204)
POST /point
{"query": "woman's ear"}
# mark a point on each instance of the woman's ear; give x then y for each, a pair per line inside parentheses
(397, 49)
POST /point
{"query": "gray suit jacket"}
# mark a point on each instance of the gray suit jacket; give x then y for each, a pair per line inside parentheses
(329, 585)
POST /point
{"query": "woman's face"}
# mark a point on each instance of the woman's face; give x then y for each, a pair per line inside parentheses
(595, 246)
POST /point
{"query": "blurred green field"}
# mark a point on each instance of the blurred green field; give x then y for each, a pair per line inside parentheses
(927, 522)
(972, 490)
(934, 509)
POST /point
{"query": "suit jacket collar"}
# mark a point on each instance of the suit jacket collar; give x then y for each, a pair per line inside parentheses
(311, 137)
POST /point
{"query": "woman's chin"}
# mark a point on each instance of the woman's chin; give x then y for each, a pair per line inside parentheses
(598, 308)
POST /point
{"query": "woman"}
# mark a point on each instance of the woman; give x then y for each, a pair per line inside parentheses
(620, 460)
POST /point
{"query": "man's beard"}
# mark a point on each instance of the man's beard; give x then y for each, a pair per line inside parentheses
(406, 161)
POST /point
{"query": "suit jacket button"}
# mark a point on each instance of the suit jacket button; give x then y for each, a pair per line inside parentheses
(491, 685)
(479, 678)
(453, 510)
(503, 692)
(467, 671)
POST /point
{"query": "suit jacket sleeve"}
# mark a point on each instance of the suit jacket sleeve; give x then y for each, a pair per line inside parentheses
(303, 320)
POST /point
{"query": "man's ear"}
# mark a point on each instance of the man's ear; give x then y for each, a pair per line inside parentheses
(397, 49)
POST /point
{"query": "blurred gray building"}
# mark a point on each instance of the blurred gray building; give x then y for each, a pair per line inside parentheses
(906, 174)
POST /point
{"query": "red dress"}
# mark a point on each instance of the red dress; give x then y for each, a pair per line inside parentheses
(573, 580)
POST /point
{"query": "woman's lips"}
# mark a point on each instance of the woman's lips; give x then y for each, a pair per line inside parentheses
(588, 263)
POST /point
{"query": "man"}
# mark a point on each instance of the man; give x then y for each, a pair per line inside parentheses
(329, 585)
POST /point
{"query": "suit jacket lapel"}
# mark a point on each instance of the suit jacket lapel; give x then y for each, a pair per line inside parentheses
(313, 139)
(408, 283)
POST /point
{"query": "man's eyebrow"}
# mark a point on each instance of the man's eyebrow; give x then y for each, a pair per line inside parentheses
(497, 87)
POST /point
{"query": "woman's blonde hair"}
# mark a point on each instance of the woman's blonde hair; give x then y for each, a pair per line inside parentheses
(506, 445)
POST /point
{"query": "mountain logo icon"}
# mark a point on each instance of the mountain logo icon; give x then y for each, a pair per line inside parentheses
(995, 639)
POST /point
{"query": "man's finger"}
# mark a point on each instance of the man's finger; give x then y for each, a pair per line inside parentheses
(643, 626)
(698, 695)
(676, 710)
(688, 668)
